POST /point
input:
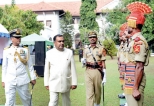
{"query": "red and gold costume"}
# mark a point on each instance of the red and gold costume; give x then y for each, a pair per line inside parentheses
(137, 54)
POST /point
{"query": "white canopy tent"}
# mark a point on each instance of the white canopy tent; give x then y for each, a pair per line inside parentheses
(4, 40)
(4, 32)
(31, 39)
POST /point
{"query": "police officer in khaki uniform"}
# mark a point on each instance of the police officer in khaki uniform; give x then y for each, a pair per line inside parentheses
(14, 71)
(95, 64)
(137, 55)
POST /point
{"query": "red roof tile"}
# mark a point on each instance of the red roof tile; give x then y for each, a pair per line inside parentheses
(73, 7)
(42, 6)
(102, 3)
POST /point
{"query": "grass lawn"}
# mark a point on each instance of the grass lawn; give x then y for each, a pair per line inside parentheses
(78, 98)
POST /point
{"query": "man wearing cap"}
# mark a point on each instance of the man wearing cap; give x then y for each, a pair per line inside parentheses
(95, 65)
(137, 55)
(14, 73)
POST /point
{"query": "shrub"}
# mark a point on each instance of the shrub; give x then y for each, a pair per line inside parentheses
(76, 52)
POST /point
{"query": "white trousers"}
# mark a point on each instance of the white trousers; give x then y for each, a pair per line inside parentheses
(10, 94)
(54, 97)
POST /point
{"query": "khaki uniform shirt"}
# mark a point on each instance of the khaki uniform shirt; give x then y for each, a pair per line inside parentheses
(137, 49)
(97, 53)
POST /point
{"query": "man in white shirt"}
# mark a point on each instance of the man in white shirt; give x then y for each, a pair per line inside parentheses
(60, 72)
(14, 72)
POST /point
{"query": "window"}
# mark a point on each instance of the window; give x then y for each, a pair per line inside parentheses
(41, 22)
(48, 23)
(76, 20)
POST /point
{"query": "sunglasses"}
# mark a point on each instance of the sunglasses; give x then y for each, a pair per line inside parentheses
(60, 41)
(92, 37)
(17, 37)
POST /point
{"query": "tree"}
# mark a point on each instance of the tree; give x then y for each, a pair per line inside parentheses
(67, 28)
(68, 40)
(13, 3)
(87, 18)
(11, 17)
(88, 15)
(118, 16)
(110, 47)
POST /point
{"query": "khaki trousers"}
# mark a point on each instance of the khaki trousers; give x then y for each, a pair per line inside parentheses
(54, 97)
(93, 86)
(130, 99)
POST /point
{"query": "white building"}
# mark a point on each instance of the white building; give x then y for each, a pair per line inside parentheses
(49, 13)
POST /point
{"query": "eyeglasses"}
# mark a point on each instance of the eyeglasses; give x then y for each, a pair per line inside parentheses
(92, 37)
(60, 41)
(17, 37)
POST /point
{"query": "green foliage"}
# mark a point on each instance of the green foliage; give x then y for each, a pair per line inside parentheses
(66, 23)
(76, 52)
(87, 19)
(11, 17)
(67, 28)
(88, 15)
(84, 35)
(13, 3)
(110, 47)
(68, 40)
(118, 16)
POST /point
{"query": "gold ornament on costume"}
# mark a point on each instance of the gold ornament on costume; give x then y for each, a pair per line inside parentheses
(129, 80)
(24, 61)
(15, 60)
(18, 32)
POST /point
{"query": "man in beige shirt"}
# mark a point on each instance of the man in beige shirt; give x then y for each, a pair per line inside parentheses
(93, 74)
(137, 55)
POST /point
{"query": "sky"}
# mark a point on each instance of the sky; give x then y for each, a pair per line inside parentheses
(3, 2)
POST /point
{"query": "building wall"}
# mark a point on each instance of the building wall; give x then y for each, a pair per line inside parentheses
(50, 30)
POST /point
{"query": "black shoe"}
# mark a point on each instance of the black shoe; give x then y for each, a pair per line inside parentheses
(122, 105)
(121, 96)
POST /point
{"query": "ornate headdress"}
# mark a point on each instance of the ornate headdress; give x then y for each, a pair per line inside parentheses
(137, 9)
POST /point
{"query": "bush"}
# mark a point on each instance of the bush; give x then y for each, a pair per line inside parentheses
(76, 52)
(110, 47)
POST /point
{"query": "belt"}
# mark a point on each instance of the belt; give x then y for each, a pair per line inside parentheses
(92, 66)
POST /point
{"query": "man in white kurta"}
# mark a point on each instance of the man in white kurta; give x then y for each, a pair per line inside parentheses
(60, 73)
(14, 71)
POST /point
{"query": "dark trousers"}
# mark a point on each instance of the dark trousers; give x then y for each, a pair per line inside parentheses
(80, 56)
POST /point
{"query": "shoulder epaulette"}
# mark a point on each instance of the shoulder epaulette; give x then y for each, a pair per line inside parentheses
(25, 47)
(6, 48)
